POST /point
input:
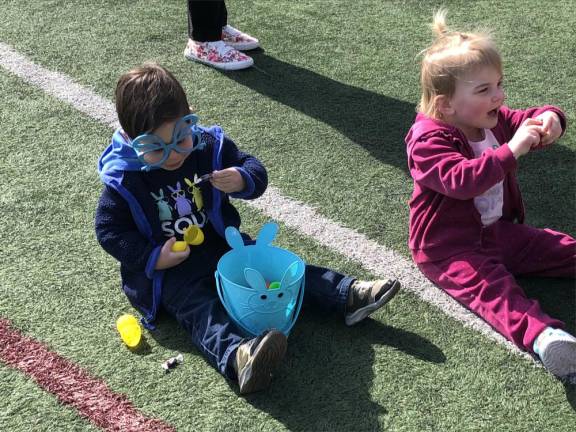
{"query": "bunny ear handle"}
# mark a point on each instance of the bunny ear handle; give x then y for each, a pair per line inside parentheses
(234, 238)
(267, 234)
(255, 279)
(290, 274)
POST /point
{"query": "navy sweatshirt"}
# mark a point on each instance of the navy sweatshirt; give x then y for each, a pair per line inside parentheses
(138, 211)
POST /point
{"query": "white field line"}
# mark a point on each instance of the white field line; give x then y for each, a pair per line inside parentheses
(60, 86)
(376, 258)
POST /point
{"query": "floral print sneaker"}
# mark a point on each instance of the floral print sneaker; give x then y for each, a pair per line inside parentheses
(218, 55)
(238, 40)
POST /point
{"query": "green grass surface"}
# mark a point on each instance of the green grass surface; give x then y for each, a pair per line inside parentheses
(326, 109)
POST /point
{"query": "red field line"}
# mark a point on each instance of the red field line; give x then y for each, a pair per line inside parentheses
(72, 385)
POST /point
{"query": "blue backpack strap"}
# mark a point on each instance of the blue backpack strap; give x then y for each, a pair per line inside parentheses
(215, 213)
(150, 317)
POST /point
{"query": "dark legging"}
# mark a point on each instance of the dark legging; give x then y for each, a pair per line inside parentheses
(195, 304)
(206, 19)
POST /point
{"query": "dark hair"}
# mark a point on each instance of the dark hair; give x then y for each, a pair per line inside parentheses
(147, 97)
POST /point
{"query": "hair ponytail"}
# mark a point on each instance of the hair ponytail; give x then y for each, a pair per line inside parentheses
(450, 56)
(439, 24)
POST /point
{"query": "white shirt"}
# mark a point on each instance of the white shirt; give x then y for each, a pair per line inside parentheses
(490, 203)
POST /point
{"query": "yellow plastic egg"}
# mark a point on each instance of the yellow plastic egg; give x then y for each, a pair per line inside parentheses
(179, 246)
(129, 329)
(193, 235)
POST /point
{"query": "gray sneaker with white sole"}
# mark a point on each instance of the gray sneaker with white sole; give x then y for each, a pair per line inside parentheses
(365, 297)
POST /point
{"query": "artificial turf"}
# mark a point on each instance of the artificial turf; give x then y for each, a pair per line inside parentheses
(325, 109)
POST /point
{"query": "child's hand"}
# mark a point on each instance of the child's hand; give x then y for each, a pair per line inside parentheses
(551, 127)
(228, 180)
(527, 136)
(168, 258)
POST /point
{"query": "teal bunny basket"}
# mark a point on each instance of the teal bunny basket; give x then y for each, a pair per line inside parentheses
(241, 281)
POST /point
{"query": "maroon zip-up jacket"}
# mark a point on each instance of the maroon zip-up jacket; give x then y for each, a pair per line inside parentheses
(443, 219)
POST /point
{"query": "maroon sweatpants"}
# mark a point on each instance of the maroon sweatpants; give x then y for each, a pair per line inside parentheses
(483, 280)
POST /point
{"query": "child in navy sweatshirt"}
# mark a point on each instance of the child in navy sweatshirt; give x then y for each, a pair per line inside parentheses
(150, 197)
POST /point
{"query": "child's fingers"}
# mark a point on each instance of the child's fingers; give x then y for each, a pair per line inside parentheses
(169, 258)
(222, 180)
(181, 256)
(167, 248)
(168, 244)
(222, 173)
(219, 182)
(536, 129)
(228, 180)
(540, 140)
(532, 122)
(226, 172)
(546, 140)
(547, 123)
(178, 256)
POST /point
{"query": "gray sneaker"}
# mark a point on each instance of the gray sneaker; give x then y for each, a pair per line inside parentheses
(367, 296)
(258, 358)
(557, 350)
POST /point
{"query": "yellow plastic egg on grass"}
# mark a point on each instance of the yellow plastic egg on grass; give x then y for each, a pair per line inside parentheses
(129, 329)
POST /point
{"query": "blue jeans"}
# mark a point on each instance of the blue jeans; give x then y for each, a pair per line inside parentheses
(197, 308)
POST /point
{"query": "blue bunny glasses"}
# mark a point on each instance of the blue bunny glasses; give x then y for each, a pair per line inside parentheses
(152, 151)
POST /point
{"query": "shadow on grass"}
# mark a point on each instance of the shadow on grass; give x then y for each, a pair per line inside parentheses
(376, 122)
(546, 178)
(549, 190)
(556, 296)
(326, 378)
(142, 349)
(547, 181)
(558, 299)
(171, 336)
(379, 124)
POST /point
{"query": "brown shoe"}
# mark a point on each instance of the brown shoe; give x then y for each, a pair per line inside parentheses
(366, 297)
(258, 358)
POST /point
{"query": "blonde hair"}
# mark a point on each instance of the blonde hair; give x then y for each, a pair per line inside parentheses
(452, 55)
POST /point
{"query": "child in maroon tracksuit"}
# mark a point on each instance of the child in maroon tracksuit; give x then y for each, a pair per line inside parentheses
(466, 213)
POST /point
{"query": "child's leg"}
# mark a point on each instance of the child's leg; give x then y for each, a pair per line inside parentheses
(527, 250)
(206, 19)
(532, 251)
(199, 311)
(333, 292)
(484, 285)
(326, 289)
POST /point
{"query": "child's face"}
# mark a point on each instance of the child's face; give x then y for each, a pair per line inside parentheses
(175, 159)
(478, 96)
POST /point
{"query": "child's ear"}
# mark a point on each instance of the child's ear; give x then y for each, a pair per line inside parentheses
(443, 105)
